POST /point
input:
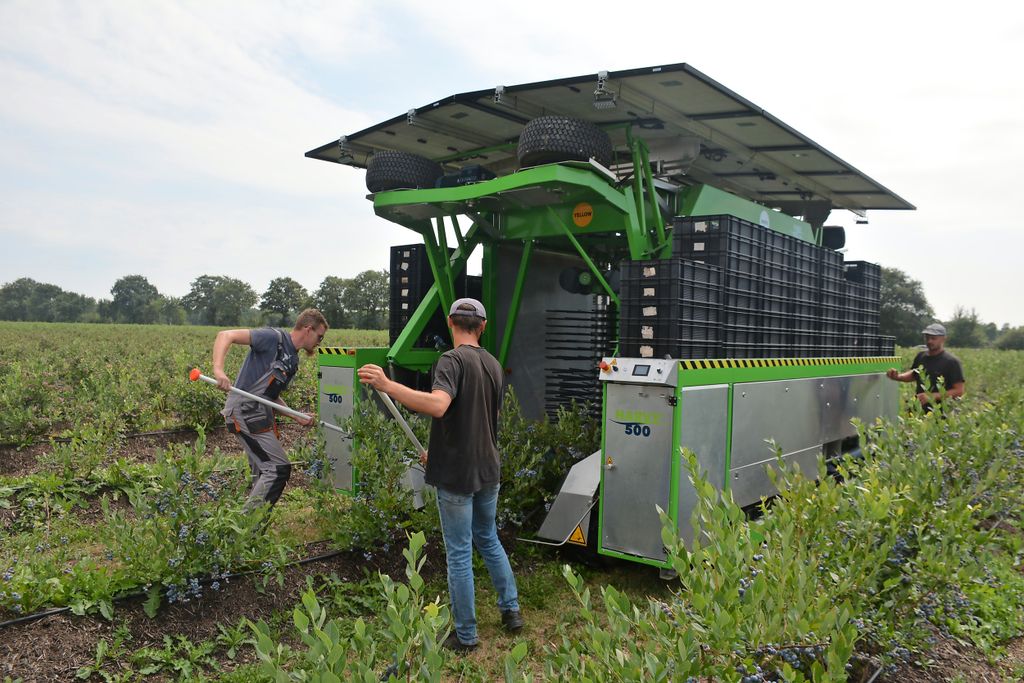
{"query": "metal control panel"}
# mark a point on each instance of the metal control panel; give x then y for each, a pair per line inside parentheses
(640, 371)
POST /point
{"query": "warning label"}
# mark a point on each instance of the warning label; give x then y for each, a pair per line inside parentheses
(582, 214)
(577, 536)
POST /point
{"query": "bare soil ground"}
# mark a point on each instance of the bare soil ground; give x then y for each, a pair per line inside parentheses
(53, 648)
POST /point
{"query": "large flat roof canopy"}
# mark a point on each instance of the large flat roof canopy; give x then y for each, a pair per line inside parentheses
(698, 131)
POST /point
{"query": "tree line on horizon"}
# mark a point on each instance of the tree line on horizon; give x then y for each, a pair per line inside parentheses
(360, 302)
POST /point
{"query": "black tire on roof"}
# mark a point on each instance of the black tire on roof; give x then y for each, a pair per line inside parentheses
(389, 170)
(550, 139)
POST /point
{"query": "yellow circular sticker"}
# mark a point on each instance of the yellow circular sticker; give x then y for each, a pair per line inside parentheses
(582, 214)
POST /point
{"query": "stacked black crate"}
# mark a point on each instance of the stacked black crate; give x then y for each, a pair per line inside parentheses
(736, 247)
(869, 277)
(411, 278)
(805, 334)
(832, 323)
(670, 308)
(574, 340)
(860, 335)
(777, 296)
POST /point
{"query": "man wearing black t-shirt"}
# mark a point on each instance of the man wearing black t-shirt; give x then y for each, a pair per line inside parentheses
(933, 363)
(464, 465)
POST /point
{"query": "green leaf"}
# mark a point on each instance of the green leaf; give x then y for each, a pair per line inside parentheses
(152, 602)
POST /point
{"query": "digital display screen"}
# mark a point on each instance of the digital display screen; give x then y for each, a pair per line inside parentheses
(641, 370)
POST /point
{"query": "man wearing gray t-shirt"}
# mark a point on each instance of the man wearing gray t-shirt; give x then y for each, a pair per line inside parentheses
(266, 372)
(464, 465)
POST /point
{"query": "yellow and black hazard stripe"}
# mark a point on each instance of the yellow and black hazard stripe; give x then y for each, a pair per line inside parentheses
(335, 351)
(779, 362)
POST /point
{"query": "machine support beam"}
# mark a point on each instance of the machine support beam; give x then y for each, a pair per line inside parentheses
(402, 351)
(513, 309)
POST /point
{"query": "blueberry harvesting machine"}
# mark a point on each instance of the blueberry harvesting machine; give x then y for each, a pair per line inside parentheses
(651, 243)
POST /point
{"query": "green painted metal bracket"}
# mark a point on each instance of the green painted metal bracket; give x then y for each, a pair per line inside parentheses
(402, 352)
(595, 271)
(643, 187)
(513, 309)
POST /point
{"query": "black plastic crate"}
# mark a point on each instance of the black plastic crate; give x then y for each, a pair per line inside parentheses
(741, 350)
(775, 336)
(740, 334)
(777, 288)
(804, 339)
(741, 316)
(865, 273)
(742, 299)
(775, 351)
(694, 236)
(669, 279)
(672, 348)
(804, 309)
(719, 224)
(734, 259)
(830, 263)
(776, 304)
(830, 328)
(669, 328)
(776, 271)
(675, 309)
(886, 345)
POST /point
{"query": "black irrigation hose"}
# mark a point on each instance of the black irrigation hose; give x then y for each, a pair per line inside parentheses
(130, 435)
(139, 593)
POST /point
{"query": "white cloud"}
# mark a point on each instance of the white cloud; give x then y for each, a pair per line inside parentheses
(115, 112)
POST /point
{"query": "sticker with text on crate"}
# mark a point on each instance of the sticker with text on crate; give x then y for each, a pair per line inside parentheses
(637, 422)
(582, 214)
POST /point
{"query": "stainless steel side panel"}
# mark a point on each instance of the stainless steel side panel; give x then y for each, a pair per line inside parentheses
(704, 429)
(800, 415)
(336, 405)
(574, 499)
(638, 442)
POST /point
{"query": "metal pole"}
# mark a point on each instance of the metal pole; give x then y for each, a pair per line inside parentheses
(393, 409)
(195, 374)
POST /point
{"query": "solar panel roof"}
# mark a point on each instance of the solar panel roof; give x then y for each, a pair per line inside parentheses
(698, 131)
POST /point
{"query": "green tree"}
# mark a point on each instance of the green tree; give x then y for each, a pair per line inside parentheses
(72, 307)
(283, 300)
(132, 296)
(329, 298)
(26, 299)
(17, 299)
(219, 300)
(965, 330)
(1011, 338)
(903, 311)
(366, 296)
(167, 310)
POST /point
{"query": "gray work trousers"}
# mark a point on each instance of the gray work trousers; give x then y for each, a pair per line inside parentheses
(268, 463)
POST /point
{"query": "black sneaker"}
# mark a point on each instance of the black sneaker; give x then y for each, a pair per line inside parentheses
(453, 643)
(512, 620)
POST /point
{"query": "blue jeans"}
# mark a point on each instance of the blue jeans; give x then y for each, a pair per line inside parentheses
(467, 520)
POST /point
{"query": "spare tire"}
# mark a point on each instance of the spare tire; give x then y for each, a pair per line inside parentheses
(550, 139)
(389, 170)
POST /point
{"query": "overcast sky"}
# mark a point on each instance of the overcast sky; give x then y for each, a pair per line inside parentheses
(166, 138)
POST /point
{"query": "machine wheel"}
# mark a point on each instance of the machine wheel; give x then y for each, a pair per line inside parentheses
(550, 139)
(388, 170)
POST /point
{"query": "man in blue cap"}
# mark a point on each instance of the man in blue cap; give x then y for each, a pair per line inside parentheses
(935, 363)
(464, 465)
